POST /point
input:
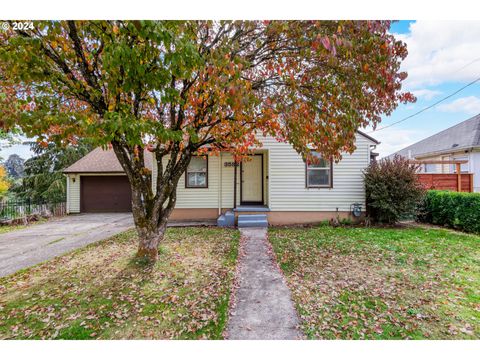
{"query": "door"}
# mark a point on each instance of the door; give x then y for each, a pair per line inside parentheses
(105, 194)
(252, 180)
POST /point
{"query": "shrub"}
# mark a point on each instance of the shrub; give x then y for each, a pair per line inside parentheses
(453, 209)
(392, 189)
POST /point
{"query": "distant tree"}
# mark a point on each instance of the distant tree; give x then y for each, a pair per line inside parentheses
(15, 166)
(4, 183)
(43, 179)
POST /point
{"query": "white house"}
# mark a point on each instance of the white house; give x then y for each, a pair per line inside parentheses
(275, 182)
(459, 142)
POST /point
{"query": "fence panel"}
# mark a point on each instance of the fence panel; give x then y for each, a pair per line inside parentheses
(446, 181)
(20, 209)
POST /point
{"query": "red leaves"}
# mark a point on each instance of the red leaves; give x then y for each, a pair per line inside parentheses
(301, 81)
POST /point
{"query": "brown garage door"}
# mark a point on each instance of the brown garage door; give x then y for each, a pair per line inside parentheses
(105, 194)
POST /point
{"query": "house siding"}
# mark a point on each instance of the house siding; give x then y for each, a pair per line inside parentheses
(284, 182)
(287, 188)
(475, 169)
(73, 194)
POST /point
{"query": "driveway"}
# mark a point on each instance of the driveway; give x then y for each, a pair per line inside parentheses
(37, 243)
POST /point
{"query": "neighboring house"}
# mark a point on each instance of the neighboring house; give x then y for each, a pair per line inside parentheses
(276, 181)
(459, 142)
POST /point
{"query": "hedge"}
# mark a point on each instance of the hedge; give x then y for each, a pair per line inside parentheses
(452, 209)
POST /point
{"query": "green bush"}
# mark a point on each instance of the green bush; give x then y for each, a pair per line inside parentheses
(392, 189)
(452, 209)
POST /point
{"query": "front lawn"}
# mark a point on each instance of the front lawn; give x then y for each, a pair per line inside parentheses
(99, 293)
(374, 283)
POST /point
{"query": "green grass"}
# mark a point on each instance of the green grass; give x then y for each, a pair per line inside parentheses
(379, 283)
(8, 228)
(99, 293)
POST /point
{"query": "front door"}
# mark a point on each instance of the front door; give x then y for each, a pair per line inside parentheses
(252, 180)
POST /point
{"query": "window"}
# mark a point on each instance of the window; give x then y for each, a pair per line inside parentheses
(319, 171)
(430, 168)
(463, 167)
(197, 173)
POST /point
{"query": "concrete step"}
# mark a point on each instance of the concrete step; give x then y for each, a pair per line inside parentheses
(259, 220)
(253, 217)
(227, 219)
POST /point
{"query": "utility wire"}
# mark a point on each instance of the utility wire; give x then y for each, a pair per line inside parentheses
(426, 108)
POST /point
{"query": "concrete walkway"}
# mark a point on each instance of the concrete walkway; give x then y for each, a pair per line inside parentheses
(263, 308)
(23, 248)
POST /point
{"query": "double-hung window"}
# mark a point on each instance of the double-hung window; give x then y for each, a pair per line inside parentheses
(197, 173)
(318, 171)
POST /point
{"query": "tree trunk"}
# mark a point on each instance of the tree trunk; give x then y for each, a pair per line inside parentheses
(151, 210)
(149, 240)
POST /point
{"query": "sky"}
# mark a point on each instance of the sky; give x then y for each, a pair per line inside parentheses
(443, 57)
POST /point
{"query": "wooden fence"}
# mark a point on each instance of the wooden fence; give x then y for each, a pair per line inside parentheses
(447, 182)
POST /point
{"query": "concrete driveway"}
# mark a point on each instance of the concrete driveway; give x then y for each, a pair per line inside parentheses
(26, 247)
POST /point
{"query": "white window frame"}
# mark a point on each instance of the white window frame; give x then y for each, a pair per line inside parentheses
(329, 169)
(187, 177)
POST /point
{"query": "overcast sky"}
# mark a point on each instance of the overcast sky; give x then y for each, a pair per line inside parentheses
(443, 57)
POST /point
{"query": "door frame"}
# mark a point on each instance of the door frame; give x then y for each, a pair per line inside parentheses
(241, 185)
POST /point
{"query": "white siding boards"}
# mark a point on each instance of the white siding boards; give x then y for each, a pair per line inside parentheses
(288, 191)
(73, 194)
(284, 182)
(284, 177)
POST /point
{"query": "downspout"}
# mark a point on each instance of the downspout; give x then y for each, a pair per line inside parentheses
(220, 185)
(235, 184)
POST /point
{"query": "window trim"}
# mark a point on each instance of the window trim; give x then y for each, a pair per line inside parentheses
(330, 182)
(187, 186)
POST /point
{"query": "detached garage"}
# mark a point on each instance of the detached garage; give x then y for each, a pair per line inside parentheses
(97, 183)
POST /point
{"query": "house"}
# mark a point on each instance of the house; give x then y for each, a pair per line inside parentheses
(459, 142)
(276, 182)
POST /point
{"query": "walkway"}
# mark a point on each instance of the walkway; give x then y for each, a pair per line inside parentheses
(263, 308)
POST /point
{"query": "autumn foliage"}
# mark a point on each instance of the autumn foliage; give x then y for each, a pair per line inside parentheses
(4, 183)
(393, 190)
(183, 87)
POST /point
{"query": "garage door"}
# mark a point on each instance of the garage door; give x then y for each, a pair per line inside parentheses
(105, 194)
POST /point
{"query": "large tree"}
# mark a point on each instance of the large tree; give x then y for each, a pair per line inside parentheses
(15, 166)
(179, 88)
(43, 179)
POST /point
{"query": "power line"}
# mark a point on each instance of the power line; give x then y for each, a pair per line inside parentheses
(428, 107)
(465, 66)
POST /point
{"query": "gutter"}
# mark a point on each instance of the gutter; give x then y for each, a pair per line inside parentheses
(446, 151)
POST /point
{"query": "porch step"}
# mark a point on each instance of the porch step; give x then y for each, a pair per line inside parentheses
(227, 219)
(259, 220)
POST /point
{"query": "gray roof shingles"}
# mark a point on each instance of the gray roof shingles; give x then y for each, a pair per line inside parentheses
(461, 136)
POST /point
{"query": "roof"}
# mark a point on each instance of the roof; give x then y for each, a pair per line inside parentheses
(105, 161)
(368, 137)
(102, 161)
(461, 136)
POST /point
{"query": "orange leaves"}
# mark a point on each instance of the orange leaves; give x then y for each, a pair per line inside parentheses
(306, 82)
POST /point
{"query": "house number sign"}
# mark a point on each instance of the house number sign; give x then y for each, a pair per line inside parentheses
(229, 164)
